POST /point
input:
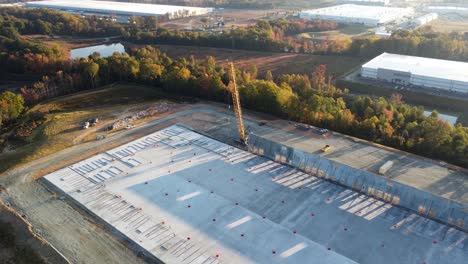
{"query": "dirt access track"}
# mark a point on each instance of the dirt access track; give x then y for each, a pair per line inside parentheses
(74, 233)
(78, 237)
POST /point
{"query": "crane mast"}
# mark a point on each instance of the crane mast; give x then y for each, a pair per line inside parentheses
(237, 105)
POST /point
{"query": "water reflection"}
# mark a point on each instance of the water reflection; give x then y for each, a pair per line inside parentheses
(105, 50)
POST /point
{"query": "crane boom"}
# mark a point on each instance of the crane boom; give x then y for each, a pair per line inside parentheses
(237, 105)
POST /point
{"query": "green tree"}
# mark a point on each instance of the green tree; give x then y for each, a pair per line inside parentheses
(91, 69)
(268, 76)
(436, 135)
(150, 71)
(12, 106)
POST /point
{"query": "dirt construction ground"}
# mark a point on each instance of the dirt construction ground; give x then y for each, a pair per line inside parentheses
(76, 234)
(231, 18)
(72, 232)
(277, 63)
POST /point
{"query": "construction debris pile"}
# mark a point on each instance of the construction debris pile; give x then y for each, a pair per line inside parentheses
(158, 108)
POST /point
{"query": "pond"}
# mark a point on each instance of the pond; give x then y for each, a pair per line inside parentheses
(446, 117)
(105, 50)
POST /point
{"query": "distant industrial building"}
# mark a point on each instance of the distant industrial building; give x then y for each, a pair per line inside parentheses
(121, 8)
(365, 2)
(447, 10)
(383, 32)
(418, 71)
(358, 14)
(12, 5)
(422, 20)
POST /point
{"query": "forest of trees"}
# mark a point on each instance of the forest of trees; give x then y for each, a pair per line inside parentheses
(266, 35)
(46, 22)
(276, 36)
(311, 99)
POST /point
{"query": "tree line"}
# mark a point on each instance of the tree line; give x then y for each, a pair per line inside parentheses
(311, 99)
(47, 21)
(266, 35)
(19, 55)
(277, 36)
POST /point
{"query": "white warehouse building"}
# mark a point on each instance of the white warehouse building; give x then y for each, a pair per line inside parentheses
(365, 2)
(447, 10)
(418, 71)
(358, 14)
(422, 20)
(121, 8)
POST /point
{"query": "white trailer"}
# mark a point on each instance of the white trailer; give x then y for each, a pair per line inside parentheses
(422, 20)
(384, 168)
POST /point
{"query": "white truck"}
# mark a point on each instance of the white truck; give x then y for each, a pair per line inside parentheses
(384, 168)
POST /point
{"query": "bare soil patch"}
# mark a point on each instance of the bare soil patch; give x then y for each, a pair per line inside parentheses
(277, 63)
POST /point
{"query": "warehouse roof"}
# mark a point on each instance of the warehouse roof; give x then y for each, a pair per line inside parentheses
(448, 8)
(109, 6)
(187, 198)
(443, 69)
(365, 1)
(361, 11)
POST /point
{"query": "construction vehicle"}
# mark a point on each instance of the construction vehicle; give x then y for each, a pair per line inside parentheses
(236, 105)
(323, 132)
(326, 148)
(303, 127)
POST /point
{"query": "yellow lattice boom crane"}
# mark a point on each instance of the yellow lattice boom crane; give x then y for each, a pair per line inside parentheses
(236, 105)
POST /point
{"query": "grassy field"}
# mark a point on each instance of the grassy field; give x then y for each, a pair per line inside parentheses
(342, 31)
(444, 25)
(278, 63)
(65, 43)
(61, 120)
(353, 29)
(231, 18)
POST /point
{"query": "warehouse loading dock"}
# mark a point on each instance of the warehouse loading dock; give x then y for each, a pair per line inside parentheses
(358, 14)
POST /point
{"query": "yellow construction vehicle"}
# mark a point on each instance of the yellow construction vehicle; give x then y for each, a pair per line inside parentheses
(326, 148)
